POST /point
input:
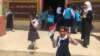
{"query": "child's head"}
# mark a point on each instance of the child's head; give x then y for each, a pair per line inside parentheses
(32, 15)
(63, 31)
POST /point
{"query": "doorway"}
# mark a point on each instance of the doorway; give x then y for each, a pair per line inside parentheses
(47, 3)
(54, 4)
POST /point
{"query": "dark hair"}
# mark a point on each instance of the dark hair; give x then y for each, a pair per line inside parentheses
(63, 27)
(50, 10)
(32, 14)
(68, 5)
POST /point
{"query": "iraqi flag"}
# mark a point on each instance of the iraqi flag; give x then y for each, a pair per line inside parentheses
(52, 29)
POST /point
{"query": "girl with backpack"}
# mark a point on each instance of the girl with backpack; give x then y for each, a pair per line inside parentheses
(69, 16)
(77, 20)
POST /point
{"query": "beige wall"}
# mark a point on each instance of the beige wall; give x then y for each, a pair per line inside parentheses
(39, 4)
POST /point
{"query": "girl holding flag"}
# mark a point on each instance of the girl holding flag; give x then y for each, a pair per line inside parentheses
(63, 42)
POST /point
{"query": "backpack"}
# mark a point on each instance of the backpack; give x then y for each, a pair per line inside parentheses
(50, 18)
(43, 15)
(68, 18)
(77, 17)
(67, 13)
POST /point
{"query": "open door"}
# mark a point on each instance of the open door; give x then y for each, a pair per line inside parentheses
(47, 3)
(54, 4)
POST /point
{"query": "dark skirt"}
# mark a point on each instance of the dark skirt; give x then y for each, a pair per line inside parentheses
(33, 34)
(10, 23)
(63, 49)
(86, 30)
(63, 52)
(68, 22)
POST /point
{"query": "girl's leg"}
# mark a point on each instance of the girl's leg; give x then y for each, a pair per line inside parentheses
(31, 46)
(32, 43)
(12, 26)
(76, 29)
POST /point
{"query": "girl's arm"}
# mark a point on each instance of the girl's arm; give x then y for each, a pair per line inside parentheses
(73, 39)
(84, 15)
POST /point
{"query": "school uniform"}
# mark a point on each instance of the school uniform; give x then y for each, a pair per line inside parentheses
(63, 46)
(59, 16)
(10, 16)
(33, 34)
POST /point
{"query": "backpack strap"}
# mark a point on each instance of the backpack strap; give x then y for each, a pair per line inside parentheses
(72, 13)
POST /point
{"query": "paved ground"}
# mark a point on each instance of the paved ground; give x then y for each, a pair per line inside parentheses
(16, 44)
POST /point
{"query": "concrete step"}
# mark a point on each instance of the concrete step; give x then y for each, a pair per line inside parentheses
(24, 53)
(16, 44)
(28, 53)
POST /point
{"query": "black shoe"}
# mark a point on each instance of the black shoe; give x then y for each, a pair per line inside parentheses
(31, 47)
(85, 45)
(88, 43)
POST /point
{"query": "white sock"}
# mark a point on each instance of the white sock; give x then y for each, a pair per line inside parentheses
(33, 43)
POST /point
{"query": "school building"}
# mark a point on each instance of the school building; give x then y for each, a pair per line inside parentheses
(21, 8)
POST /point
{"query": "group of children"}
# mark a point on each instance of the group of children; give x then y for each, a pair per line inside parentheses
(64, 35)
(62, 41)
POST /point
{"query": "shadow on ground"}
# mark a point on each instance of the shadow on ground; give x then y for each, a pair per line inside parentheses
(97, 37)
